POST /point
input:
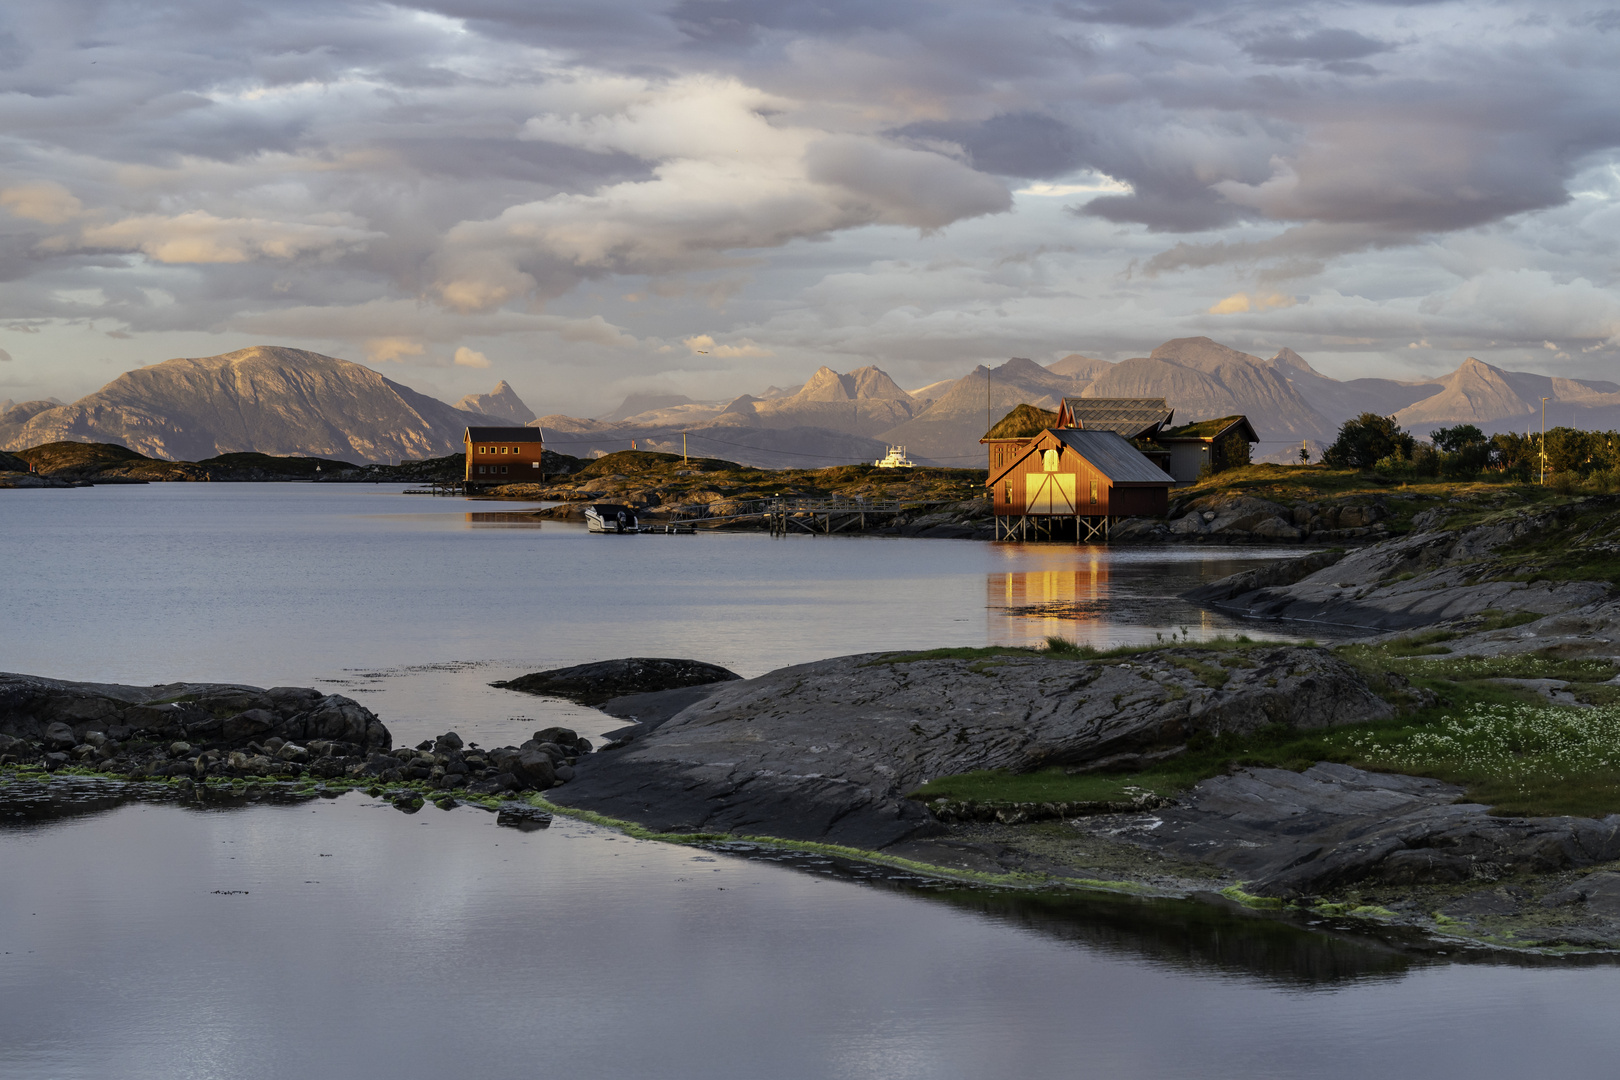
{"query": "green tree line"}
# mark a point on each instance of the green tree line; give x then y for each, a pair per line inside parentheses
(1464, 452)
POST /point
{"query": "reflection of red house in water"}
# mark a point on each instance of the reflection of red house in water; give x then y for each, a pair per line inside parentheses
(1048, 602)
(1070, 483)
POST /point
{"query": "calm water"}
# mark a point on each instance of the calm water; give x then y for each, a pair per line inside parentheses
(344, 937)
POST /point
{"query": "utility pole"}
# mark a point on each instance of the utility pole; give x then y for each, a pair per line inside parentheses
(989, 417)
(683, 448)
(1543, 442)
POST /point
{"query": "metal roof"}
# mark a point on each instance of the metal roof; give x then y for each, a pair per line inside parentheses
(503, 434)
(1112, 456)
(1130, 417)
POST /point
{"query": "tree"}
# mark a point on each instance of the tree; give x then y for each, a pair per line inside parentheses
(1569, 449)
(1366, 439)
(1464, 450)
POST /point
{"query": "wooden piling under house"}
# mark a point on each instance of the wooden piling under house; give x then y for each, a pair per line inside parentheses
(1071, 483)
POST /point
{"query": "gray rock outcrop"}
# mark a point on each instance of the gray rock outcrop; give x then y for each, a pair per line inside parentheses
(1304, 834)
(827, 751)
(1420, 579)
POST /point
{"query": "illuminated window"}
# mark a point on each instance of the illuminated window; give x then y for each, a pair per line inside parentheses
(1094, 493)
(534, 464)
(1006, 494)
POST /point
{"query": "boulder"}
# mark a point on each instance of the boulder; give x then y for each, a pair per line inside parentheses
(592, 684)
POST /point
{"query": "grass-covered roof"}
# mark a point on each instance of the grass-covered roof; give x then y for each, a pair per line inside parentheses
(1208, 429)
(1024, 422)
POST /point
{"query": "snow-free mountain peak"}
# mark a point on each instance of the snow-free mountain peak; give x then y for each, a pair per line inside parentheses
(502, 403)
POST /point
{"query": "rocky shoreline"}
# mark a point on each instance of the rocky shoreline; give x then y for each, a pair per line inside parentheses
(197, 735)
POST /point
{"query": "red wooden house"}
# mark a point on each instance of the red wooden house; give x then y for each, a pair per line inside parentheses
(1073, 480)
(503, 455)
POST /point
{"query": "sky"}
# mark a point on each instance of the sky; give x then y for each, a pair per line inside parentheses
(593, 197)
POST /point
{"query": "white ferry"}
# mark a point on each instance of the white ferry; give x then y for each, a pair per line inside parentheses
(895, 459)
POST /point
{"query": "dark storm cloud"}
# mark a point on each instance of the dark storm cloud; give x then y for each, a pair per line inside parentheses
(1335, 45)
(1022, 144)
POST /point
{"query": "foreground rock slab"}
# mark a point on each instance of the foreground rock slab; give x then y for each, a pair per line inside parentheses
(827, 751)
(1293, 835)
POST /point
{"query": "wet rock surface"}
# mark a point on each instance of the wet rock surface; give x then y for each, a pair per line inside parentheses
(596, 683)
(827, 751)
(1295, 835)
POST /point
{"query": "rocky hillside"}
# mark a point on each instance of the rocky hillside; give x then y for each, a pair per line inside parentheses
(264, 399)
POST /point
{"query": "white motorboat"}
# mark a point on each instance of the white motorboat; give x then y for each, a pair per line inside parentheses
(610, 518)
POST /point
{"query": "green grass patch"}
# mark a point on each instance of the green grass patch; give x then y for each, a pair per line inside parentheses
(1501, 742)
(1499, 620)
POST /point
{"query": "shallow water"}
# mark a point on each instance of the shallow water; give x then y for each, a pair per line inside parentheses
(342, 937)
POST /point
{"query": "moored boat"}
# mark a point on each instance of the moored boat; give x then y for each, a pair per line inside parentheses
(610, 518)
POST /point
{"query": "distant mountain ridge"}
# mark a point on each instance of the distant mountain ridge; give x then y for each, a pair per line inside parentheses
(292, 402)
(266, 399)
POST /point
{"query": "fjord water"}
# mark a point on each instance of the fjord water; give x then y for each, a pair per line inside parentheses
(342, 937)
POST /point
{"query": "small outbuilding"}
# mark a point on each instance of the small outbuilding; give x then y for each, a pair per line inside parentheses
(1072, 480)
(503, 455)
(1207, 447)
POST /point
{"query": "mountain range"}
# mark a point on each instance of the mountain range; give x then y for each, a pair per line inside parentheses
(1288, 402)
(292, 402)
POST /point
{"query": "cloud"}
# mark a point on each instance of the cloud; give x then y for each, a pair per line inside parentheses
(703, 344)
(823, 181)
(728, 178)
(200, 237)
(1326, 45)
(382, 350)
(466, 357)
(1243, 302)
(45, 202)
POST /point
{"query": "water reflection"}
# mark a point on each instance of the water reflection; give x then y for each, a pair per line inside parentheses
(502, 519)
(1106, 597)
(1185, 935)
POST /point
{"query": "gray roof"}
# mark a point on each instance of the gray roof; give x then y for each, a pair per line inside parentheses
(1112, 456)
(1130, 417)
(503, 434)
